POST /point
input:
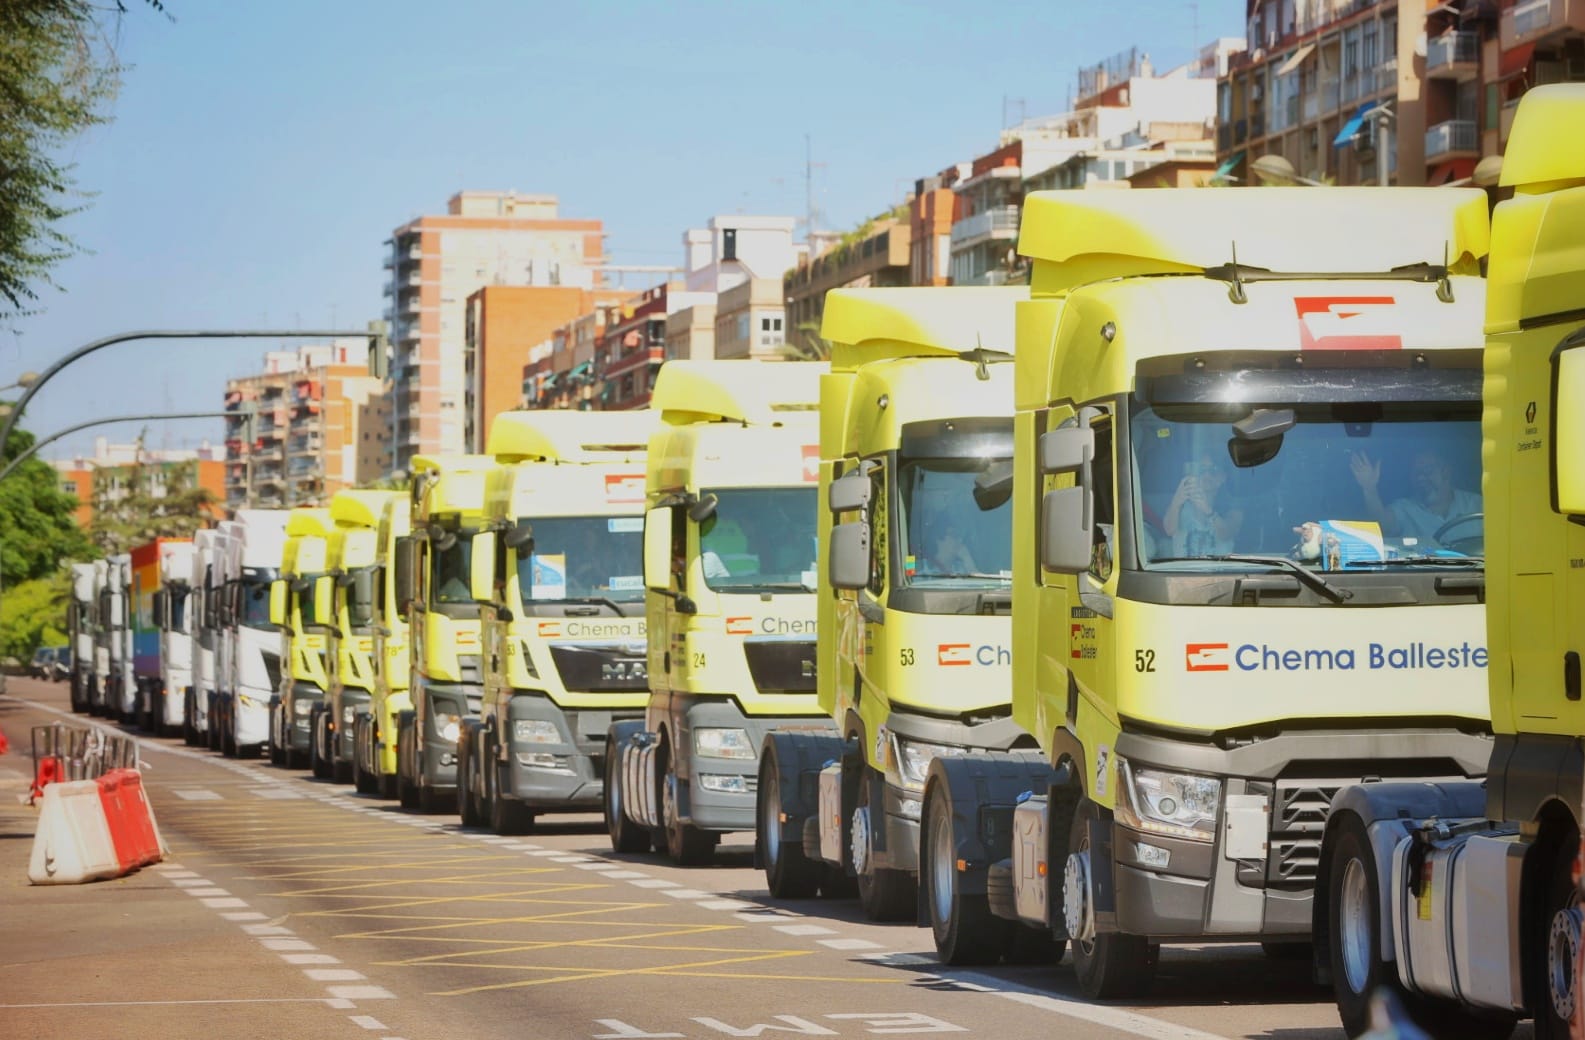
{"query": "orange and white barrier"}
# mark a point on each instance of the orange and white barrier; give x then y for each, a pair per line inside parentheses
(94, 829)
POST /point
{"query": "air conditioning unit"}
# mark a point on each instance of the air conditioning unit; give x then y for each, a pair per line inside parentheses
(1365, 140)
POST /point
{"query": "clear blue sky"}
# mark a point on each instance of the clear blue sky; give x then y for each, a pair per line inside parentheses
(260, 153)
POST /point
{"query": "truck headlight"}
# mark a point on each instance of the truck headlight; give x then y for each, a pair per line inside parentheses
(715, 742)
(348, 714)
(911, 759)
(1180, 804)
(301, 706)
(449, 726)
(535, 731)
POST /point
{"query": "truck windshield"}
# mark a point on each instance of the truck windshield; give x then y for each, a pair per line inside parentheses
(305, 599)
(948, 540)
(255, 610)
(1357, 486)
(176, 597)
(584, 557)
(760, 539)
(450, 571)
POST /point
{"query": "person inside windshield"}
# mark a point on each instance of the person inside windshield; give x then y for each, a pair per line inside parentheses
(1201, 520)
(725, 548)
(1434, 500)
(944, 550)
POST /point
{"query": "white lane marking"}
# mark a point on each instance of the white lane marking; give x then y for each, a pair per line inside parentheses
(850, 944)
(276, 793)
(309, 958)
(174, 874)
(167, 1003)
(500, 841)
(266, 929)
(724, 904)
(192, 882)
(366, 1022)
(624, 875)
(211, 891)
(335, 975)
(286, 945)
(803, 929)
(1110, 1017)
(361, 993)
(600, 866)
(250, 915)
(223, 904)
(546, 852)
(688, 893)
(200, 795)
(564, 858)
(653, 883)
(169, 869)
(340, 1004)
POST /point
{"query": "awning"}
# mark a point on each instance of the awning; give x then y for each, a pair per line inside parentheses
(1451, 172)
(1514, 61)
(1296, 59)
(1228, 167)
(579, 370)
(1350, 129)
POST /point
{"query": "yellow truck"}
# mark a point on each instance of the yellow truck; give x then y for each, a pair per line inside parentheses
(443, 625)
(298, 610)
(559, 576)
(915, 632)
(374, 730)
(352, 584)
(1459, 897)
(729, 569)
(1246, 564)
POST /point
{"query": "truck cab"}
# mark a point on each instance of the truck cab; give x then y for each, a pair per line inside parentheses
(443, 625)
(207, 591)
(81, 614)
(374, 731)
(729, 568)
(252, 661)
(915, 655)
(173, 619)
(120, 701)
(558, 573)
(1228, 594)
(299, 608)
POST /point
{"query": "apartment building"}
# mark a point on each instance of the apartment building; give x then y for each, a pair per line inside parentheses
(436, 264)
(562, 372)
(631, 351)
(732, 249)
(307, 413)
(751, 320)
(880, 254)
(107, 473)
(690, 332)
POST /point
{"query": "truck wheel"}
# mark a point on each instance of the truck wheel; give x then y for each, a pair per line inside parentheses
(1113, 966)
(316, 762)
(467, 805)
(1354, 906)
(1555, 955)
(686, 844)
(789, 873)
(965, 930)
(626, 836)
(406, 791)
(885, 894)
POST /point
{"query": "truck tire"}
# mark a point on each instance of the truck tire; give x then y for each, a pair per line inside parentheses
(884, 893)
(789, 872)
(1556, 893)
(406, 790)
(687, 845)
(965, 930)
(1114, 966)
(467, 802)
(626, 836)
(316, 761)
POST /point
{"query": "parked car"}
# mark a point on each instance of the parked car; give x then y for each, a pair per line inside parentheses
(51, 662)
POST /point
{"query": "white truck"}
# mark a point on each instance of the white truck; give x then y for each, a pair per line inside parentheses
(81, 619)
(204, 606)
(176, 640)
(250, 660)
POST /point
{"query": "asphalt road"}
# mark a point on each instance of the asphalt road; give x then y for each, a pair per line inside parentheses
(291, 907)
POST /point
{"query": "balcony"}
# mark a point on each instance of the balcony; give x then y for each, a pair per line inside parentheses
(1532, 20)
(410, 307)
(1001, 222)
(1453, 55)
(1454, 137)
(1387, 77)
(1330, 94)
(1350, 89)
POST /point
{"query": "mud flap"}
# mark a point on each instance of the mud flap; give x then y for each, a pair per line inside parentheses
(798, 759)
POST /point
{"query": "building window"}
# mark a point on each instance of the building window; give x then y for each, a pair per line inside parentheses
(775, 324)
(729, 244)
(742, 327)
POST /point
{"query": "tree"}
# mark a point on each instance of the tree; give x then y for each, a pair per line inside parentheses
(57, 72)
(38, 525)
(139, 502)
(33, 614)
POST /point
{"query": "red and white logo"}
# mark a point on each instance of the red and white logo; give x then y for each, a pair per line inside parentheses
(1348, 323)
(549, 629)
(739, 626)
(624, 487)
(1205, 657)
(811, 463)
(1075, 633)
(948, 654)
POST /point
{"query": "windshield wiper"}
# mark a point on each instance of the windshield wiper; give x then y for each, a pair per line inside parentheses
(774, 586)
(982, 577)
(597, 600)
(1298, 570)
(1422, 561)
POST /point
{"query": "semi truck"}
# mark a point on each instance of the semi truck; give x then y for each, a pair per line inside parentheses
(115, 635)
(443, 625)
(1459, 897)
(1241, 576)
(374, 731)
(297, 609)
(729, 561)
(558, 574)
(206, 595)
(154, 569)
(914, 604)
(251, 662)
(81, 614)
(352, 582)
(175, 637)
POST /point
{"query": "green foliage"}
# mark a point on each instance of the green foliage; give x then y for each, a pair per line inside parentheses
(137, 503)
(807, 344)
(38, 526)
(33, 614)
(57, 72)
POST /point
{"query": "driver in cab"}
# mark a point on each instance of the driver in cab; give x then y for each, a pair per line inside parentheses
(1432, 505)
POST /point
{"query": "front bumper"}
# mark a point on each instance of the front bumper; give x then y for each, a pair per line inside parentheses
(568, 776)
(437, 766)
(709, 807)
(251, 718)
(353, 703)
(298, 708)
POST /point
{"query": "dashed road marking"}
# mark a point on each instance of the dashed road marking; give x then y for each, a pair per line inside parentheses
(287, 945)
(199, 795)
(334, 975)
(803, 929)
(309, 958)
(643, 882)
(687, 893)
(361, 993)
(366, 1022)
(850, 944)
(224, 904)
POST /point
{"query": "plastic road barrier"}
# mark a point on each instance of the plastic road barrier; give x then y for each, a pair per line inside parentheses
(94, 829)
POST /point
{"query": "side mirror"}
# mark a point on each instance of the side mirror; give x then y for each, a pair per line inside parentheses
(481, 577)
(519, 536)
(406, 577)
(657, 548)
(278, 594)
(324, 600)
(1066, 450)
(1568, 438)
(848, 492)
(345, 580)
(702, 509)
(848, 566)
(1067, 515)
(160, 620)
(441, 538)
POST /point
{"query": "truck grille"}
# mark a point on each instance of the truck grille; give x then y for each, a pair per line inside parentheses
(782, 665)
(1299, 811)
(468, 668)
(600, 668)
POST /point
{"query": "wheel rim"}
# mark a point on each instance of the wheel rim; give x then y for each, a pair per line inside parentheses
(772, 822)
(942, 871)
(1562, 949)
(1356, 930)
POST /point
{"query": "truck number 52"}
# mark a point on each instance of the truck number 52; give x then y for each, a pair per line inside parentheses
(1144, 660)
